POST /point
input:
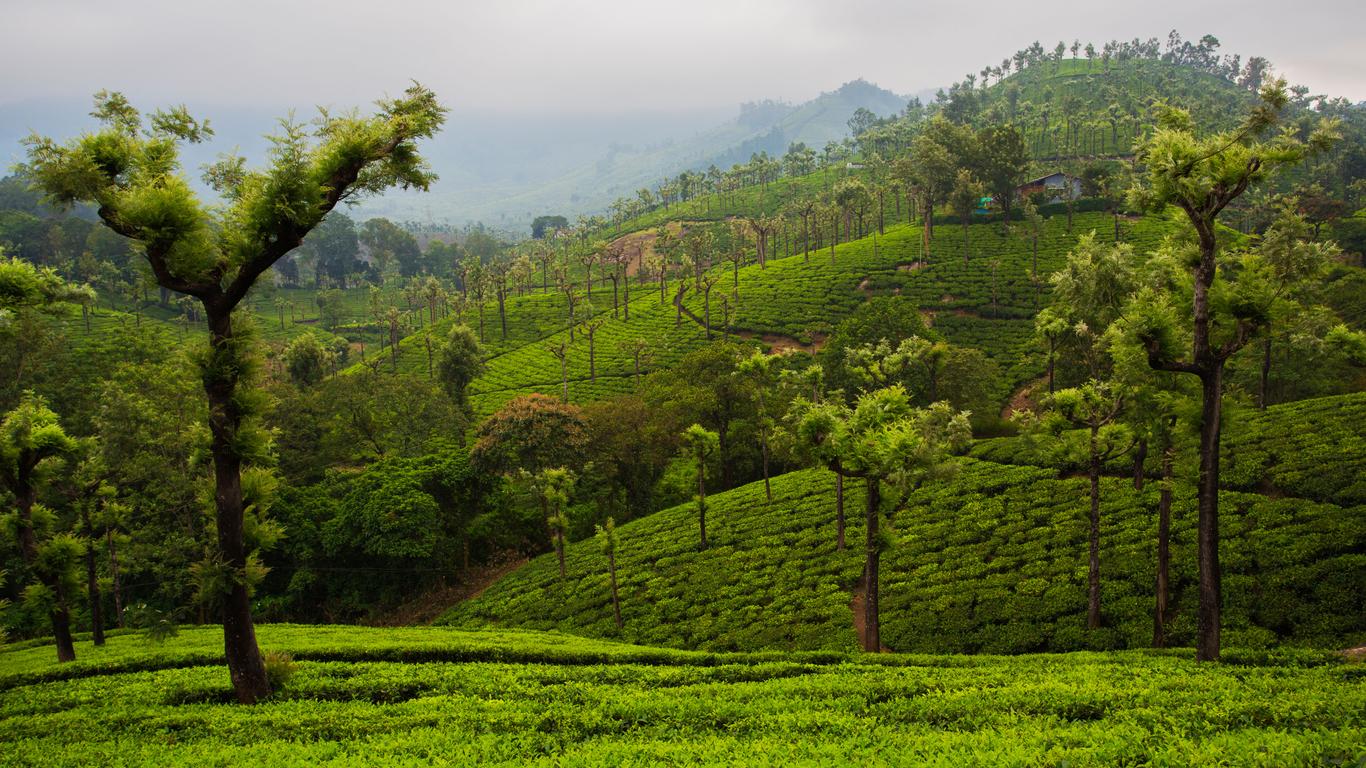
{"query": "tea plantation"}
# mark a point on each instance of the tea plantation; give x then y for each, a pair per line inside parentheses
(443, 697)
(992, 561)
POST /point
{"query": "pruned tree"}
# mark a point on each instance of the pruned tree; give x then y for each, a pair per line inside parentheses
(881, 439)
(762, 372)
(30, 440)
(127, 169)
(589, 328)
(608, 541)
(1097, 408)
(461, 360)
(701, 443)
(1201, 175)
(964, 199)
(553, 487)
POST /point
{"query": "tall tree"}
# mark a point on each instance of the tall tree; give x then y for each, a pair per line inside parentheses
(1201, 175)
(1095, 407)
(30, 437)
(966, 196)
(608, 541)
(216, 254)
(553, 486)
(701, 444)
(881, 439)
(461, 360)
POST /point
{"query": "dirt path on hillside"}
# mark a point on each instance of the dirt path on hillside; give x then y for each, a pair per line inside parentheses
(641, 245)
(426, 607)
(779, 344)
(1026, 398)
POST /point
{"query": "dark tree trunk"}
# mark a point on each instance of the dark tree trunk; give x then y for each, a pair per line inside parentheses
(1207, 639)
(723, 448)
(1266, 371)
(245, 666)
(27, 496)
(61, 624)
(1140, 456)
(1164, 526)
(92, 586)
(559, 550)
(117, 588)
(1050, 365)
(612, 574)
(768, 490)
(1093, 540)
(839, 512)
(702, 502)
(872, 639)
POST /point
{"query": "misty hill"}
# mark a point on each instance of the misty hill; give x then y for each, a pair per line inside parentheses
(510, 200)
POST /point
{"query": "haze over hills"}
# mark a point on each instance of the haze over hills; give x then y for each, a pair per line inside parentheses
(505, 169)
(512, 195)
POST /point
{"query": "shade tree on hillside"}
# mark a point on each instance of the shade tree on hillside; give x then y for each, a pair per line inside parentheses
(701, 444)
(332, 249)
(552, 487)
(964, 198)
(762, 371)
(1201, 175)
(881, 439)
(531, 432)
(460, 361)
(1097, 408)
(127, 169)
(1089, 293)
(1290, 262)
(31, 439)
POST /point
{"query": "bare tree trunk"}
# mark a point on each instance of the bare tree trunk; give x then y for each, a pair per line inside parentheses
(1262, 400)
(247, 670)
(92, 586)
(1207, 638)
(559, 549)
(27, 497)
(702, 502)
(117, 588)
(1164, 526)
(1093, 558)
(1140, 456)
(872, 638)
(768, 490)
(839, 512)
(612, 574)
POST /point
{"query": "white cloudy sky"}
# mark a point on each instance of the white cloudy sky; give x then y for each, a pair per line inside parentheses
(607, 56)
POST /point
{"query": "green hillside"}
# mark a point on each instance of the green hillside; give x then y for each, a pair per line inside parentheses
(801, 297)
(992, 561)
(1312, 449)
(437, 696)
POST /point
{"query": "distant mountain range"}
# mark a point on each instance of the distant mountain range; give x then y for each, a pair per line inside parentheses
(505, 169)
(621, 169)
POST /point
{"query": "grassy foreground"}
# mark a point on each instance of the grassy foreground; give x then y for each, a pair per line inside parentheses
(435, 696)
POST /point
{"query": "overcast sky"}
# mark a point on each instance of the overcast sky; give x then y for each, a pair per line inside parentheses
(607, 56)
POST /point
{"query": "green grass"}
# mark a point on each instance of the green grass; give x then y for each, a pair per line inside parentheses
(992, 561)
(434, 696)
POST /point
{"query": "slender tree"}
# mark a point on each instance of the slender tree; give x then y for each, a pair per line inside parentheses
(608, 541)
(701, 443)
(881, 439)
(30, 438)
(216, 255)
(1201, 175)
